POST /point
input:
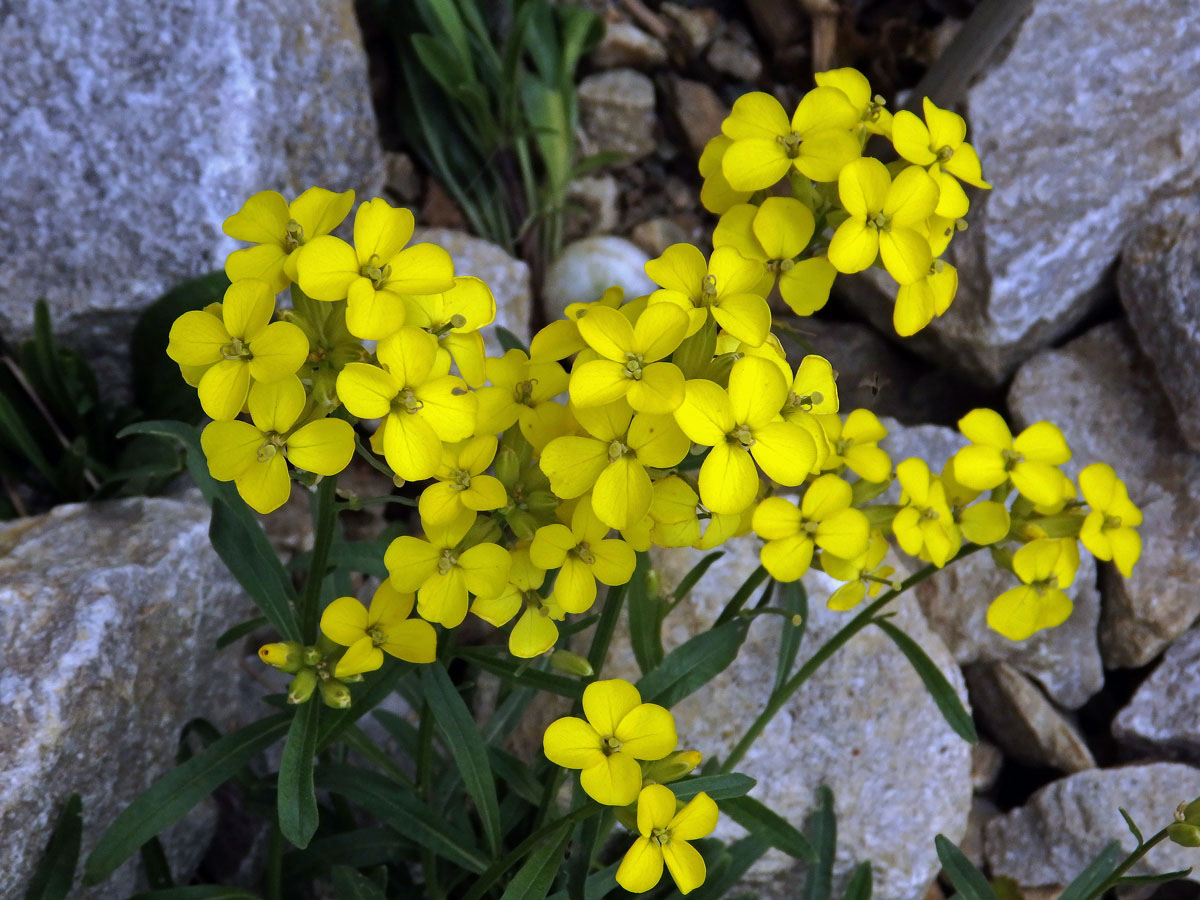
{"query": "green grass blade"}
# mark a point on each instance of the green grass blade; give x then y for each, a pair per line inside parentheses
(56, 870)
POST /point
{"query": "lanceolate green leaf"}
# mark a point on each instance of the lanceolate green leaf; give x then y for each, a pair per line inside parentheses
(765, 823)
(534, 879)
(1097, 872)
(693, 663)
(794, 600)
(173, 795)
(719, 787)
(245, 550)
(943, 694)
(298, 817)
(56, 871)
(822, 829)
(645, 618)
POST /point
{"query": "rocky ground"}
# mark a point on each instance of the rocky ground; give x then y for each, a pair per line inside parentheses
(130, 140)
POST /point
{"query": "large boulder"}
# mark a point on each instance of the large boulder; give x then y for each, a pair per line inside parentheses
(133, 130)
(108, 617)
(1163, 716)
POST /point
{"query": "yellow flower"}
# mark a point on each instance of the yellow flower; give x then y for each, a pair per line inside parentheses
(377, 272)
(864, 575)
(535, 632)
(612, 462)
(872, 117)
(255, 456)
(919, 302)
(925, 526)
(561, 338)
(385, 628)
(461, 484)
(664, 838)
(280, 229)
(1108, 529)
(775, 233)
(743, 428)
(442, 571)
(619, 730)
(454, 318)
(583, 556)
(716, 195)
(1046, 566)
(522, 394)
(631, 365)
(724, 287)
(854, 445)
(994, 457)
(816, 142)
(423, 405)
(938, 144)
(823, 519)
(985, 522)
(886, 218)
(238, 346)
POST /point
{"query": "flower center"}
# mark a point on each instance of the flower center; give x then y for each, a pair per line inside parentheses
(377, 636)
(523, 392)
(237, 349)
(447, 561)
(880, 222)
(609, 745)
(708, 290)
(584, 552)
(616, 450)
(776, 266)
(273, 444)
(460, 479)
(790, 143)
(379, 274)
(633, 366)
(1110, 522)
(804, 401)
(293, 235)
(407, 401)
(944, 153)
(741, 435)
(662, 836)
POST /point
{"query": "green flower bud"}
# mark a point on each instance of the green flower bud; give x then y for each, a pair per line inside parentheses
(1191, 813)
(302, 686)
(335, 694)
(313, 655)
(1184, 834)
(671, 767)
(286, 656)
(571, 663)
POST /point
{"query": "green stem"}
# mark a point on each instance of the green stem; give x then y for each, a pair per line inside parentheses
(780, 697)
(1130, 861)
(614, 599)
(324, 520)
(275, 863)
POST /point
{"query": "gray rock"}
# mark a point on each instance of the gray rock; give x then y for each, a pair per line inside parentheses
(1159, 284)
(131, 135)
(1050, 839)
(734, 58)
(1040, 245)
(697, 24)
(986, 760)
(863, 725)
(656, 235)
(1164, 713)
(624, 45)
(108, 615)
(1065, 660)
(698, 113)
(592, 205)
(403, 180)
(1024, 723)
(507, 277)
(1101, 392)
(982, 812)
(586, 268)
(616, 111)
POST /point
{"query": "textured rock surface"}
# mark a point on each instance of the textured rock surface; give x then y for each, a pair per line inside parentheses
(507, 277)
(129, 138)
(1065, 660)
(1053, 837)
(1164, 715)
(108, 615)
(1100, 391)
(863, 725)
(1027, 725)
(1159, 284)
(1040, 245)
(616, 111)
(626, 46)
(586, 268)
(698, 112)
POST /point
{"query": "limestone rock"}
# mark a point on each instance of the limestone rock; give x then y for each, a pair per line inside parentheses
(1159, 283)
(507, 277)
(108, 614)
(698, 112)
(863, 725)
(616, 110)
(624, 45)
(1164, 713)
(131, 135)
(1027, 725)
(1038, 253)
(1065, 660)
(592, 205)
(1050, 839)
(586, 268)
(1100, 391)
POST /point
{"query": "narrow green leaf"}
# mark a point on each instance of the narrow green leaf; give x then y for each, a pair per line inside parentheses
(462, 738)
(614, 600)
(822, 827)
(155, 866)
(645, 618)
(246, 552)
(719, 787)
(240, 631)
(693, 664)
(860, 885)
(534, 879)
(1160, 878)
(359, 848)
(13, 427)
(794, 600)
(519, 673)
(599, 885)
(198, 892)
(944, 696)
(741, 595)
(297, 801)
(1133, 829)
(509, 341)
(56, 870)
(352, 885)
(765, 823)
(1098, 871)
(531, 843)
(968, 881)
(402, 810)
(173, 795)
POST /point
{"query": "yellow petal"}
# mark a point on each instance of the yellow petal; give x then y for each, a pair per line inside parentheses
(647, 732)
(275, 406)
(262, 219)
(344, 621)
(854, 246)
(572, 743)
(598, 382)
(1043, 442)
(410, 562)
(485, 569)
(362, 656)
(756, 391)
(325, 446)
(607, 332)
(657, 440)
(788, 558)
(846, 533)
(223, 388)
(696, 820)
(442, 599)
(448, 407)
(785, 452)
(411, 447)
(911, 198)
(413, 641)
(575, 586)
(660, 390)
(659, 330)
(389, 606)
(822, 108)
(911, 138)
(196, 339)
(681, 267)
(706, 414)
(752, 165)
(805, 286)
(409, 354)
(278, 351)
(642, 866)
(421, 269)
(756, 115)
(783, 227)
(685, 864)
(327, 267)
(247, 307)
(728, 480)
(986, 426)
(606, 703)
(736, 229)
(534, 634)
(230, 447)
(318, 211)
(262, 262)
(946, 128)
(613, 780)
(622, 492)
(823, 154)
(746, 316)
(614, 562)
(380, 230)
(373, 314)
(776, 518)
(265, 486)
(366, 390)
(905, 254)
(656, 807)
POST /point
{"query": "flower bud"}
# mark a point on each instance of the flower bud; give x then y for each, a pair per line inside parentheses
(302, 686)
(286, 656)
(335, 694)
(1191, 813)
(671, 767)
(1184, 834)
(313, 655)
(571, 663)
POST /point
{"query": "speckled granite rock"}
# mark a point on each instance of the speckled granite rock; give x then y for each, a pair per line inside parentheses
(108, 615)
(863, 725)
(1050, 839)
(1163, 716)
(1101, 392)
(132, 131)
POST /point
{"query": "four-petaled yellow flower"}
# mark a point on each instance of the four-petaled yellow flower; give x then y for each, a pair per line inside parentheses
(454, 318)
(918, 303)
(925, 527)
(873, 118)
(1108, 529)
(522, 393)
(535, 631)
(823, 519)
(631, 363)
(583, 555)
(994, 457)
(619, 730)
(384, 628)
(723, 287)
(938, 143)
(865, 575)
(665, 833)
(1046, 566)
(855, 444)
(461, 483)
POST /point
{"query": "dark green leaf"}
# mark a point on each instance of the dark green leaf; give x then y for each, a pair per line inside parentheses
(599, 885)
(56, 870)
(534, 878)
(509, 341)
(365, 697)
(645, 618)
(240, 631)
(944, 696)
(614, 600)
(693, 664)
(351, 885)
(155, 865)
(719, 787)
(743, 593)
(361, 847)
(768, 825)
(462, 738)
(1097, 872)
(794, 600)
(245, 550)
(198, 892)
(822, 828)
(506, 667)
(860, 885)
(695, 574)
(1160, 878)
(741, 856)
(968, 881)
(298, 816)
(173, 795)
